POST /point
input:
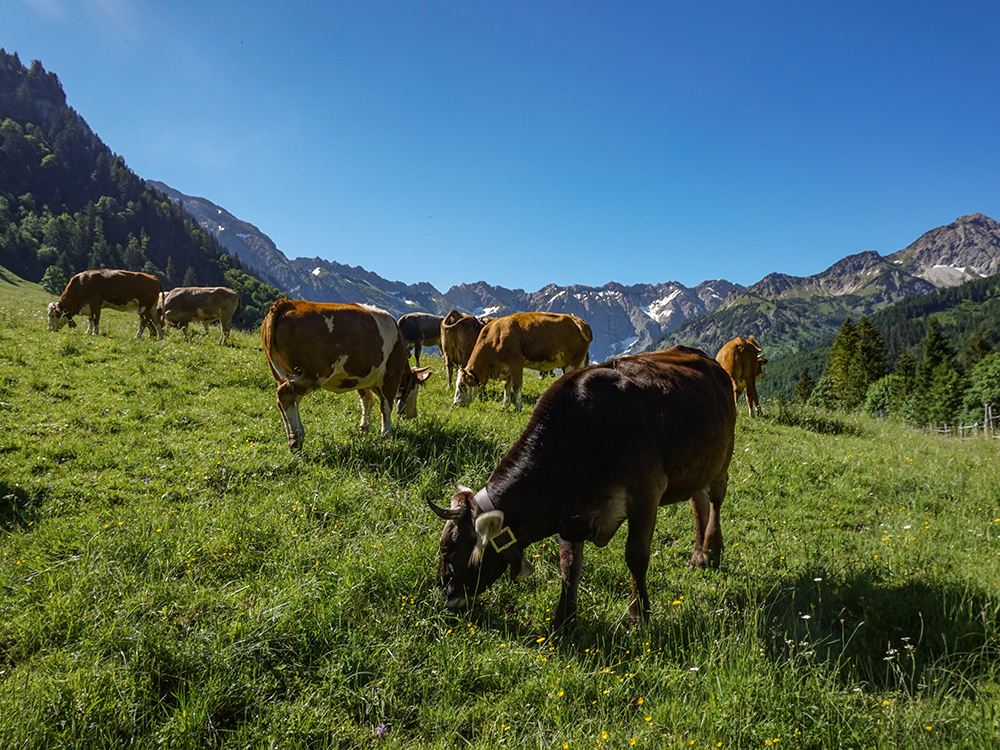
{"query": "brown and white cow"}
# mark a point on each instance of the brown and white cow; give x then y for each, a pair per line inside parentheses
(311, 346)
(459, 333)
(420, 330)
(741, 359)
(178, 307)
(534, 340)
(89, 292)
(605, 444)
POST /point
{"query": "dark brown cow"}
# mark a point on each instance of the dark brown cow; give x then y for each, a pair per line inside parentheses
(741, 359)
(506, 346)
(89, 292)
(178, 307)
(605, 444)
(420, 330)
(311, 346)
(458, 338)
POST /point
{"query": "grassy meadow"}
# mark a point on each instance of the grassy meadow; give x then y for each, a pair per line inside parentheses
(170, 576)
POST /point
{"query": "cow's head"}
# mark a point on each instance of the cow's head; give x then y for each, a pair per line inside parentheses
(466, 387)
(468, 565)
(59, 317)
(406, 405)
(761, 361)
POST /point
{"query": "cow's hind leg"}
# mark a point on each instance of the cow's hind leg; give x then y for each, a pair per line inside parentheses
(571, 566)
(705, 505)
(288, 404)
(641, 523)
(367, 397)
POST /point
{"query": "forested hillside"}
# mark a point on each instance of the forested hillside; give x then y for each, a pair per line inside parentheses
(68, 203)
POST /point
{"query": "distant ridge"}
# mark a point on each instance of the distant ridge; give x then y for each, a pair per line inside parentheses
(789, 313)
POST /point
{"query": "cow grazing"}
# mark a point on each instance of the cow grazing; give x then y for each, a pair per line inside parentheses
(178, 307)
(459, 333)
(537, 341)
(741, 359)
(311, 346)
(89, 292)
(605, 444)
(420, 330)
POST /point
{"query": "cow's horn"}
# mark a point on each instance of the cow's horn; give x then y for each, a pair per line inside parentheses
(526, 569)
(446, 514)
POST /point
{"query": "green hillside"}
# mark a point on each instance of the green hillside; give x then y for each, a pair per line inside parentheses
(170, 576)
(961, 313)
(68, 203)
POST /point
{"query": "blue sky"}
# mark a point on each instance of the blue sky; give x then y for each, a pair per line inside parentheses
(526, 143)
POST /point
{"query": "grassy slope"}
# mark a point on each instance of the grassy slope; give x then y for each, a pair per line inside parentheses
(170, 575)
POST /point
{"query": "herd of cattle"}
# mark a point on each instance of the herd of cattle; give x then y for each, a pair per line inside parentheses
(605, 443)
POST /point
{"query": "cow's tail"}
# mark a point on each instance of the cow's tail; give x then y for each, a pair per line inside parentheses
(584, 327)
(239, 308)
(267, 338)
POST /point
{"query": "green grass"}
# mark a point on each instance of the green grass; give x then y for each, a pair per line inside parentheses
(170, 576)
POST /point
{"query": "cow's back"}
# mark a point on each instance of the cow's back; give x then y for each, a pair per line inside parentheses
(670, 411)
(332, 346)
(538, 337)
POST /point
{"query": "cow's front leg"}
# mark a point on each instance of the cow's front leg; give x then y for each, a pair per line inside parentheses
(94, 323)
(516, 381)
(571, 566)
(385, 404)
(288, 405)
(367, 397)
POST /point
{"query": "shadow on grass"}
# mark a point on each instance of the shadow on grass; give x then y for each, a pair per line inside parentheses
(19, 505)
(814, 420)
(427, 444)
(862, 632)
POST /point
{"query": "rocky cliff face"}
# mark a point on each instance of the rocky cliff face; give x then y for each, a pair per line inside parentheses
(968, 248)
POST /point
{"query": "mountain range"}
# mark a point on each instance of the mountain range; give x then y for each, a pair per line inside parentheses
(790, 313)
(785, 313)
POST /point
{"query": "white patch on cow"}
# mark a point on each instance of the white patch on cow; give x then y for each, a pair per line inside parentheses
(337, 372)
(329, 322)
(387, 329)
(85, 310)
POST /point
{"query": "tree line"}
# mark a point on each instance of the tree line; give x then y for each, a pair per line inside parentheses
(68, 204)
(941, 387)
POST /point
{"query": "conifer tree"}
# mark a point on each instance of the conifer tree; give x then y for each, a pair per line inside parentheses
(804, 387)
(840, 366)
(190, 277)
(977, 349)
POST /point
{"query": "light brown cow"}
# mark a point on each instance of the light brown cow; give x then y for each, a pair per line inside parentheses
(459, 333)
(741, 359)
(539, 341)
(89, 292)
(178, 307)
(311, 346)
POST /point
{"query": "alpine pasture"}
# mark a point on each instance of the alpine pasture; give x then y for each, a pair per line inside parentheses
(170, 576)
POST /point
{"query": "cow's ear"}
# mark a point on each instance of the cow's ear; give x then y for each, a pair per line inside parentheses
(488, 525)
(422, 373)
